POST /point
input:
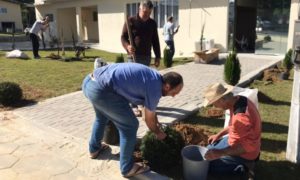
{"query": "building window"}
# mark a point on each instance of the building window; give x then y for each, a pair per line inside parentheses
(161, 11)
(95, 16)
(3, 10)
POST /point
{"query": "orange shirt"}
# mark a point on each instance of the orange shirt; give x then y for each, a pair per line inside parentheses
(245, 128)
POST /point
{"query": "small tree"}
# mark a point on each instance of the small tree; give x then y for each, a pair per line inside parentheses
(287, 61)
(232, 69)
(10, 93)
(162, 154)
(168, 60)
(120, 58)
(287, 64)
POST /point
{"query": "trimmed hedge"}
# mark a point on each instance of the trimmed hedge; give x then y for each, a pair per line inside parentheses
(10, 93)
(162, 154)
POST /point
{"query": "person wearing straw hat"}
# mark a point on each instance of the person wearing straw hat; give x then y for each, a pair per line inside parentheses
(239, 143)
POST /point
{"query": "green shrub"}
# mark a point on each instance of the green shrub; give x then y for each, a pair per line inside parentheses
(287, 61)
(120, 58)
(267, 38)
(168, 60)
(10, 93)
(162, 154)
(232, 69)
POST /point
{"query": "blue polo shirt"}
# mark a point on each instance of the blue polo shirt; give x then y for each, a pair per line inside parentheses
(137, 83)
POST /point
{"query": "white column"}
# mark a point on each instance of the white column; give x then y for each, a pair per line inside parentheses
(99, 22)
(293, 146)
(79, 24)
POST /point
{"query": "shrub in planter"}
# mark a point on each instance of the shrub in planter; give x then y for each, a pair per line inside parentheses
(232, 69)
(10, 93)
(168, 60)
(287, 61)
(162, 154)
(120, 58)
(287, 64)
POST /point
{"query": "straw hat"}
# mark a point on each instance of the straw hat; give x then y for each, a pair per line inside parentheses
(214, 92)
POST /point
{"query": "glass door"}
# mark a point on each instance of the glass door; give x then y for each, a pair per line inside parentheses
(272, 23)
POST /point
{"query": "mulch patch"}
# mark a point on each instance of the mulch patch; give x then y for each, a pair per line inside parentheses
(272, 74)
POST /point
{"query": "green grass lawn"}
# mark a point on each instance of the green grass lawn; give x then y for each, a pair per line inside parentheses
(42, 79)
(274, 106)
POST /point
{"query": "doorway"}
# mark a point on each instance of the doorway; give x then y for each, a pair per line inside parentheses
(245, 22)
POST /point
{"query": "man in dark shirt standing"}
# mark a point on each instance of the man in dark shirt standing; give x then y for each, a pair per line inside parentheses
(144, 36)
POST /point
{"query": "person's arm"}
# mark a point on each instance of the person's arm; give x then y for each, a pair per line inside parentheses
(156, 46)
(216, 137)
(153, 124)
(236, 150)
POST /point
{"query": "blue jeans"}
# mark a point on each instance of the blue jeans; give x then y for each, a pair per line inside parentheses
(146, 60)
(226, 165)
(110, 106)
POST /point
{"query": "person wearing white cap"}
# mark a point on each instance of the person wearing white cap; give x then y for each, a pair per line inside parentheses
(229, 154)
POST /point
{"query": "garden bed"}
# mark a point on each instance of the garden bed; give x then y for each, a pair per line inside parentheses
(191, 134)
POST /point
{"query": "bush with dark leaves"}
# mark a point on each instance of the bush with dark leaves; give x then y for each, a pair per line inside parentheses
(163, 154)
(10, 93)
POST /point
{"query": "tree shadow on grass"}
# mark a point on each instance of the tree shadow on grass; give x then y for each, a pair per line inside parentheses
(277, 170)
(274, 146)
(263, 98)
(274, 128)
(203, 120)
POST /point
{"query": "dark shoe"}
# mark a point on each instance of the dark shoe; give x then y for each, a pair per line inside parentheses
(95, 154)
(37, 57)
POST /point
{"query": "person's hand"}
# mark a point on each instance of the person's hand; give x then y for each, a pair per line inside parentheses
(161, 135)
(177, 28)
(213, 139)
(157, 62)
(130, 49)
(213, 154)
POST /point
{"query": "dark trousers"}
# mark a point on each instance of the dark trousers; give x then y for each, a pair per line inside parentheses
(171, 46)
(35, 44)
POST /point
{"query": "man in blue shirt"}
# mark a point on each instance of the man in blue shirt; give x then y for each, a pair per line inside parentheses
(110, 89)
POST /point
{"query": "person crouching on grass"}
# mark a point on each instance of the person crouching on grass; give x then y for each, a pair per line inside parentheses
(229, 154)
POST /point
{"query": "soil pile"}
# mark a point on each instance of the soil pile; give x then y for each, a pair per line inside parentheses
(192, 134)
(272, 74)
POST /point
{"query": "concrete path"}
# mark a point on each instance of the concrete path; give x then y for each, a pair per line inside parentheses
(53, 135)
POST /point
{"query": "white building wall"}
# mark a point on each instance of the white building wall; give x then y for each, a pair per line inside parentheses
(213, 13)
(191, 16)
(13, 14)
